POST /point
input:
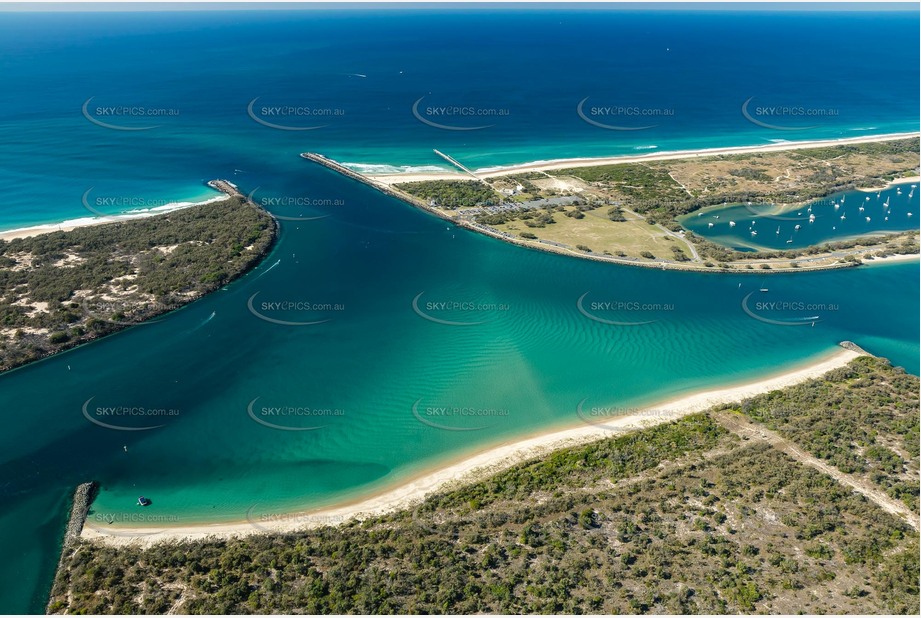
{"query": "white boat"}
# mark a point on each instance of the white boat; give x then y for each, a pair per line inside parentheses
(860, 209)
(754, 233)
(709, 225)
(868, 219)
(843, 217)
(797, 226)
(732, 224)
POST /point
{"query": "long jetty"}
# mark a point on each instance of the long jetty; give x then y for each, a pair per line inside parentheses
(393, 191)
(458, 165)
(383, 188)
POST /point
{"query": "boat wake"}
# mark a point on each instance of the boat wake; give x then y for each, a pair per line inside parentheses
(268, 269)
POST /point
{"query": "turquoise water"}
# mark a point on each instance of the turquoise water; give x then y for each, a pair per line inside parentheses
(418, 342)
(528, 358)
(837, 217)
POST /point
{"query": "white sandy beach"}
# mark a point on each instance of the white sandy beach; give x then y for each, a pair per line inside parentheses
(72, 224)
(556, 164)
(892, 258)
(897, 181)
(389, 179)
(471, 468)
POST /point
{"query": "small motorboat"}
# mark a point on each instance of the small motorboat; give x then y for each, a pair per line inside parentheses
(142, 501)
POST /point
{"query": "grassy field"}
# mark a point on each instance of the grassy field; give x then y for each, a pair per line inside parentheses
(662, 191)
(596, 231)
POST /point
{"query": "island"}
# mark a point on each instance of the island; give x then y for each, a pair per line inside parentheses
(61, 289)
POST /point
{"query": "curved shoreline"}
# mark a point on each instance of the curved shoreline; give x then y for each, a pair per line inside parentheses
(805, 263)
(557, 164)
(69, 225)
(472, 467)
(228, 193)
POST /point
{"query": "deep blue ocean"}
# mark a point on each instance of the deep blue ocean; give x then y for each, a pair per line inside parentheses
(854, 73)
(174, 90)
